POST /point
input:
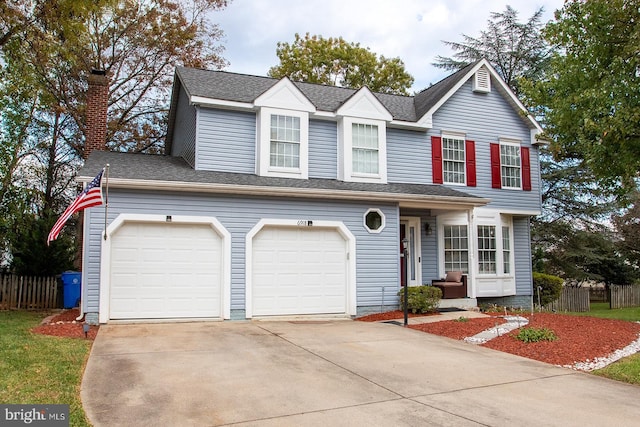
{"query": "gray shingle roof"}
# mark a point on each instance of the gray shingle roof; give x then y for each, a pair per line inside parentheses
(146, 167)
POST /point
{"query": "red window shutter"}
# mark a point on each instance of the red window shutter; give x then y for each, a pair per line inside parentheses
(496, 179)
(436, 159)
(526, 168)
(470, 152)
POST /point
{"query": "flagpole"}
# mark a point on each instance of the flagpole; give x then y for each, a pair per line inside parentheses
(106, 199)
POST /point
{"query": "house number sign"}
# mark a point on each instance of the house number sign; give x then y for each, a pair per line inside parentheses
(305, 223)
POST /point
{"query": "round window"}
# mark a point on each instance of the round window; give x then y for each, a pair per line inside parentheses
(374, 220)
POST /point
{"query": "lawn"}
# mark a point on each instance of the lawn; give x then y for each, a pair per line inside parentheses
(38, 369)
(627, 369)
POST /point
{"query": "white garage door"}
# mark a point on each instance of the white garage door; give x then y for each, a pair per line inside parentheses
(163, 270)
(299, 271)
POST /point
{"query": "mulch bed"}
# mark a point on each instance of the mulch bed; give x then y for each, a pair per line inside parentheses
(579, 338)
(391, 315)
(459, 330)
(65, 325)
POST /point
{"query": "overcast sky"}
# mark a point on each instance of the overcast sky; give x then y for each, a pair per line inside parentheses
(409, 29)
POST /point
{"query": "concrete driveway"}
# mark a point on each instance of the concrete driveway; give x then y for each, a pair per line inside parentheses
(330, 374)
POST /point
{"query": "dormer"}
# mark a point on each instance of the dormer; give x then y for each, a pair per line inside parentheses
(362, 138)
(282, 131)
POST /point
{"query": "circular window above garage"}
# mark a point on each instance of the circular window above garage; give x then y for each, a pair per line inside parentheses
(374, 220)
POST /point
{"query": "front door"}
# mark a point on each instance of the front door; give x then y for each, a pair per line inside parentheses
(410, 269)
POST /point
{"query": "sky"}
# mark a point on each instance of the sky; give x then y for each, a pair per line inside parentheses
(409, 29)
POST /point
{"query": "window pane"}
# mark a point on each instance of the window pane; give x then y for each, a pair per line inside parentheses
(365, 154)
(453, 160)
(285, 141)
(510, 165)
(486, 249)
(506, 250)
(455, 248)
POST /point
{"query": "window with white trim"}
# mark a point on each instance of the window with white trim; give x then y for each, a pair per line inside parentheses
(284, 142)
(510, 165)
(506, 250)
(365, 149)
(453, 160)
(487, 250)
(456, 248)
(374, 220)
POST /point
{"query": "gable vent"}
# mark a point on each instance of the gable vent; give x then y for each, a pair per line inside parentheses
(482, 80)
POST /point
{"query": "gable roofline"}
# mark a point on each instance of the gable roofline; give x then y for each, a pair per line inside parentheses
(350, 106)
(455, 81)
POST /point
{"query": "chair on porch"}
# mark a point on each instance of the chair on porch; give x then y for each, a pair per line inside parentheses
(453, 286)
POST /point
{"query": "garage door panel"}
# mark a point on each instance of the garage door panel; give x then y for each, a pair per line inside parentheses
(299, 271)
(161, 270)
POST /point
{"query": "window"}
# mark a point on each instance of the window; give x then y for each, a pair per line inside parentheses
(456, 248)
(285, 142)
(374, 220)
(506, 250)
(453, 160)
(510, 165)
(365, 154)
(486, 249)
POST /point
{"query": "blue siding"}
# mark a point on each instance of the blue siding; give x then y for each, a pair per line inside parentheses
(408, 156)
(323, 149)
(429, 255)
(226, 141)
(522, 255)
(377, 254)
(484, 118)
(184, 137)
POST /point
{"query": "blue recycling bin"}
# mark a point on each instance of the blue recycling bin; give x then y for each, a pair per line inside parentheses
(71, 288)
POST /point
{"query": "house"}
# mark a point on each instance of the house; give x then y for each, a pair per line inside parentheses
(285, 198)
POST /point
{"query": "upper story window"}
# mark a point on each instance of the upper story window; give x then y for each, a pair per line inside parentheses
(453, 162)
(285, 142)
(510, 165)
(362, 150)
(365, 149)
(282, 138)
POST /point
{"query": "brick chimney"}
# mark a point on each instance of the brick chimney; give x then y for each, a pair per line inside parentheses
(97, 103)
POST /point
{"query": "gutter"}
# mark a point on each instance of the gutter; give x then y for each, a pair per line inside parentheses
(309, 193)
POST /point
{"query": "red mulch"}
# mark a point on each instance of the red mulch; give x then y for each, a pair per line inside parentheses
(459, 330)
(391, 315)
(62, 325)
(579, 338)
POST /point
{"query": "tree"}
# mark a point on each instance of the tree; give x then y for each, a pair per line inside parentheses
(590, 97)
(335, 62)
(515, 49)
(628, 227)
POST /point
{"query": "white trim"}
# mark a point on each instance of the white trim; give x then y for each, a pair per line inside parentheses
(459, 136)
(350, 304)
(263, 144)
(406, 200)
(285, 95)
(212, 102)
(514, 143)
(414, 221)
(382, 224)
(427, 118)
(364, 105)
(345, 151)
(105, 259)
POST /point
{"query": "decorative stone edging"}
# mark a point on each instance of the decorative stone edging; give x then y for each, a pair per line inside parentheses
(513, 322)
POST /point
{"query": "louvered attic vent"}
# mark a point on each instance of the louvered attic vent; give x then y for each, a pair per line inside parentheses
(482, 81)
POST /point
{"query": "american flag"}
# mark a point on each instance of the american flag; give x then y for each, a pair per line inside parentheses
(90, 196)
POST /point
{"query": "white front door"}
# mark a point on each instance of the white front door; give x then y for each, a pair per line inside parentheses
(412, 269)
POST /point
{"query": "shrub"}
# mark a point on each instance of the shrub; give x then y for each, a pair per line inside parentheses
(421, 299)
(461, 319)
(551, 287)
(536, 334)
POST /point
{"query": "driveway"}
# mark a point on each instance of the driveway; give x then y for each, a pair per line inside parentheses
(330, 374)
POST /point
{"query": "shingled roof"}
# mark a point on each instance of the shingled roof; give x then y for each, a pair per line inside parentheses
(145, 170)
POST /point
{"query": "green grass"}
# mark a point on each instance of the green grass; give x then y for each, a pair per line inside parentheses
(38, 369)
(627, 370)
(601, 309)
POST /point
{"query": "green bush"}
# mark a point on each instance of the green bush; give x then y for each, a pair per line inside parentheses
(422, 299)
(536, 334)
(461, 319)
(551, 287)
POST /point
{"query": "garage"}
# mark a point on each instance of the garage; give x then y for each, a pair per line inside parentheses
(299, 270)
(165, 270)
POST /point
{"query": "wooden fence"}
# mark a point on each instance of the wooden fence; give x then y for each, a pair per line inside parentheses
(571, 299)
(624, 296)
(28, 293)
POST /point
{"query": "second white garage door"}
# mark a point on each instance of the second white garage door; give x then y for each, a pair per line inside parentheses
(299, 270)
(165, 271)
